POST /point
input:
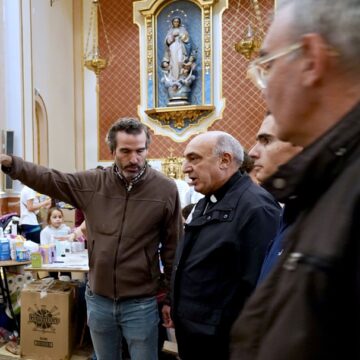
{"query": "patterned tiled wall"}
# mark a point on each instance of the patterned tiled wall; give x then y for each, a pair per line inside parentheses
(119, 83)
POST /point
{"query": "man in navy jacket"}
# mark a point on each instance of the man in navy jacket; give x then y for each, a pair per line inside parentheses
(268, 154)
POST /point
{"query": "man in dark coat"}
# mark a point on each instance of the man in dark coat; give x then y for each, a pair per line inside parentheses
(308, 307)
(219, 260)
(268, 154)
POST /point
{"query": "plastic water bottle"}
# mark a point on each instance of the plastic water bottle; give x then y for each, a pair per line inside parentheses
(4, 246)
(14, 230)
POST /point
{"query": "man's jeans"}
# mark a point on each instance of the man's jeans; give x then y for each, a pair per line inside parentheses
(109, 320)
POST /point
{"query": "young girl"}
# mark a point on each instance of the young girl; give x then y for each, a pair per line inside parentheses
(56, 229)
(29, 207)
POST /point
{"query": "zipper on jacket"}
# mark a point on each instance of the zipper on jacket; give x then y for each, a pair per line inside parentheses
(117, 248)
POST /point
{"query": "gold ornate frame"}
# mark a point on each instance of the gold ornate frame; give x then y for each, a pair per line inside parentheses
(170, 121)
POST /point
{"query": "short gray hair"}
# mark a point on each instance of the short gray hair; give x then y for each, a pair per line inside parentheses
(337, 21)
(228, 144)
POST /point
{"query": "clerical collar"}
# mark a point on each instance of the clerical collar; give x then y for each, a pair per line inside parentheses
(220, 193)
(129, 184)
(213, 199)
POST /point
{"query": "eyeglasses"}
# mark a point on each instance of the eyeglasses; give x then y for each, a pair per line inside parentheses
(258, 70)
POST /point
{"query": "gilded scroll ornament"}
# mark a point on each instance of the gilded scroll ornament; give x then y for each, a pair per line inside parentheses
(180, 118)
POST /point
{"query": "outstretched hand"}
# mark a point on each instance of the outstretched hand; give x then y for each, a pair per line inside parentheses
(5, 160)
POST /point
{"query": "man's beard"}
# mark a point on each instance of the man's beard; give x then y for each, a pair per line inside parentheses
(129, 175)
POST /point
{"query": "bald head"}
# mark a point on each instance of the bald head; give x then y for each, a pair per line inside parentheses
(211, 159)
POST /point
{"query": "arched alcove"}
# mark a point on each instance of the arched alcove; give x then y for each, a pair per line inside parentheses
(40, 126)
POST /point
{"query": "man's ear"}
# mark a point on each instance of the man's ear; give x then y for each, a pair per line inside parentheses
(225, 160)
(315, 58)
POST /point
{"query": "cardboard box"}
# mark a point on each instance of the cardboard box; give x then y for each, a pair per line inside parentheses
(47, 320)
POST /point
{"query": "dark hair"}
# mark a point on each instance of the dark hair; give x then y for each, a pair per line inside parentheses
(248, 163)
(186, 210)
(50, 211)
(129, 126)
(174, 18)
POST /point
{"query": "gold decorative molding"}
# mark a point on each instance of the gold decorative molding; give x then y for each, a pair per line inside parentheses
(207, 38)
(179, 115)
(168, 108)
(150, 45)
(172, 166)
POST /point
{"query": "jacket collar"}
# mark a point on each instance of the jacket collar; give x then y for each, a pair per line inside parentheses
(310, 173)
(224, 196)
(137, 179)
(220, 193)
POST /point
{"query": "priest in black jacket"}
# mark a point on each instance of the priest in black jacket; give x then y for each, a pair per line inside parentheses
(219, 260)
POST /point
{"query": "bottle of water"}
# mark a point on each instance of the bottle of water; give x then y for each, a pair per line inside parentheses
(4, 246)
(14, 230)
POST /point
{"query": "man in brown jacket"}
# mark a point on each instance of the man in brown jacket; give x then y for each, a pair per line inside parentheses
(308, 307)
(131, 211)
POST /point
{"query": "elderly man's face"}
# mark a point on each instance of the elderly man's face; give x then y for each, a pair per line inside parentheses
(269, 152)
(202, 166)
(285, 96)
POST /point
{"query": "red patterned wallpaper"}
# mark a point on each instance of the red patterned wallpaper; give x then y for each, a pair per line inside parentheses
(120, 82)
(245, 107)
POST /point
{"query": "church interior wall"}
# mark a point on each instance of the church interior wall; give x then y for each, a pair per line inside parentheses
(50, 43)
(2, 89)
(53, 76)
(119, 83)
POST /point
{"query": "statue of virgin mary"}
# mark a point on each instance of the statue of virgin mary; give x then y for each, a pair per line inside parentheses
(175, 63)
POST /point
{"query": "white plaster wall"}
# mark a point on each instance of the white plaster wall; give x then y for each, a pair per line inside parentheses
(2, 85)
(54, 76)
(12, 76)
(12, 110)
